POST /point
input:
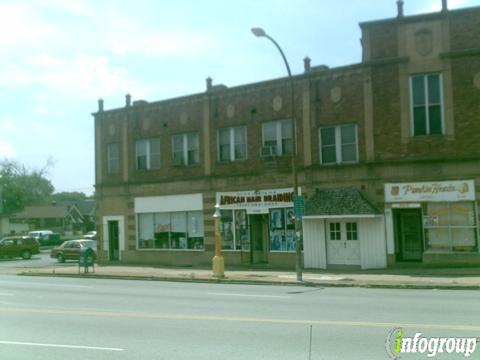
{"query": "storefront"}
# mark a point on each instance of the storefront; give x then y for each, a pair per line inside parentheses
(173, 222)
(431, 220)
(341, 228)
(257, 224)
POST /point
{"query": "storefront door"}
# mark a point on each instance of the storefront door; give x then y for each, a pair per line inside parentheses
(408, 234)
(343, 246)
(258, 236)
(113, 241)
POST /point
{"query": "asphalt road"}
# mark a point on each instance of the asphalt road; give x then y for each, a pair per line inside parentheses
(59, 318)
(42, 260)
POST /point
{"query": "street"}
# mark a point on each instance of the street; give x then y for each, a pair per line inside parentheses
(42, 260)
(58, 318)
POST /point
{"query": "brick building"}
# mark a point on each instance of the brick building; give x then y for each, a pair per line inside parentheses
(396, 134)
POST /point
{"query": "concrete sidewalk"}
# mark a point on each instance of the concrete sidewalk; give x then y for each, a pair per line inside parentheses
(413, 278)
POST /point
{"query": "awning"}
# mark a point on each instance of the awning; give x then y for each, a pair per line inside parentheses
(339, 203)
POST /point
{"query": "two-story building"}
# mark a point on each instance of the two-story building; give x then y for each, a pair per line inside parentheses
(388, 158)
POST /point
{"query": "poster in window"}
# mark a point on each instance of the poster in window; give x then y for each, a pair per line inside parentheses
(291, 241)
(241, 218)
(277, 240)
(276, 219)
(290, 218)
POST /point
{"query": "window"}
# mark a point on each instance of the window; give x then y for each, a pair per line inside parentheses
(338, 144)
(232, 144)
(234, 230)
(148, 154)
(185, 149)
(277, 137)
(113, 158)
(426, 100)
(282, 229)
(450, 227)
(335, 233)
(352, 231)
(171, 230)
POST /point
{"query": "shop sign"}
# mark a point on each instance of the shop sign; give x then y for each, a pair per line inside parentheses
(255, 201)
(463, 190)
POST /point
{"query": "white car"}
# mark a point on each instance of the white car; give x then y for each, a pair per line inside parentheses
(91, 235)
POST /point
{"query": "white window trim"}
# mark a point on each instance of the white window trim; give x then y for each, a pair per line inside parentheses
(427, 119)
(149, 154)
(338, 144)
(184, 137)
(232, 143)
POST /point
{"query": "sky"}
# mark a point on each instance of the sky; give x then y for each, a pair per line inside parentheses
(58, 57)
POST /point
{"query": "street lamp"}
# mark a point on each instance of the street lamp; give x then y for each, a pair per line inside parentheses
(218, 265)
(259, 32)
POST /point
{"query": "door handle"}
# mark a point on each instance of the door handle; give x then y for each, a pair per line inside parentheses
(345, 244)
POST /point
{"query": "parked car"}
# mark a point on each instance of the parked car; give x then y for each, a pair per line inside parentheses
(39, 233)
(19, 246)
(91, 235)
(50, 239)
(70, 250)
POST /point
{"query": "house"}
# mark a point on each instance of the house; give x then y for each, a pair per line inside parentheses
(59, 218)
(397, 133)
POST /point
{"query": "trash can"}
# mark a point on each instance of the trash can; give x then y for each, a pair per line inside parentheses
(86, 259)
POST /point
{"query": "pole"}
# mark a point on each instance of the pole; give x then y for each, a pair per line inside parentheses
(298, 237)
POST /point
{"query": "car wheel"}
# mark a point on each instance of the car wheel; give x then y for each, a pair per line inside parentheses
(26, 254)
(60, 258)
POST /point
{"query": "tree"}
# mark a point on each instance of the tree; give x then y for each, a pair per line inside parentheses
(20, 186)
(69, 196)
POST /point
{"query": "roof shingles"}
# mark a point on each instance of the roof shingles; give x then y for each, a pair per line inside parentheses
(339, 201)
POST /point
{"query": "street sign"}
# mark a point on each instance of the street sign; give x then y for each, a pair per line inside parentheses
(299, 205)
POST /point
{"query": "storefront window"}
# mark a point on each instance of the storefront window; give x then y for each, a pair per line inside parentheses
(234, 230)
(175, 230)
(282, 229)
(450, 227)
(241, 231)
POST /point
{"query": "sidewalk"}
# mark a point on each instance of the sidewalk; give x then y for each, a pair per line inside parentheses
(411, 278)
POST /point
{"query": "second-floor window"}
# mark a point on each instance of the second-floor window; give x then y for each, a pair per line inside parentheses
(232, 144)
(148, 154)
(277, 137)
(185, 149)
(338, 144)
(113, 158)
(426, 108)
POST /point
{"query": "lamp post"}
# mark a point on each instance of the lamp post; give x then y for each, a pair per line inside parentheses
(259, 32)
(218, 265)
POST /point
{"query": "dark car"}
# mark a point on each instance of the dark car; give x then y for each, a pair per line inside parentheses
(19, 246)
(50, 239)
(70, 250)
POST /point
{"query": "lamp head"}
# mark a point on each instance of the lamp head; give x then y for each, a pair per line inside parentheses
(217, 211)
(258, 32)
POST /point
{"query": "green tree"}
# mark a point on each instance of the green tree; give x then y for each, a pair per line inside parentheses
(69, 196)
(21, 186)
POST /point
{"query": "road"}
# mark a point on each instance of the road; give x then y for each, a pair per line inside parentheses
(42, 260)
(59, 318)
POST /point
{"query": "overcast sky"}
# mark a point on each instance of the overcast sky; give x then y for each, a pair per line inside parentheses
(57, 57)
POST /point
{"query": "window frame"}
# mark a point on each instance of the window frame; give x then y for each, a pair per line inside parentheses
(426, 104)
(231, 143)
(338, 144)
(279, 136)
(186, 149)
(149, 154)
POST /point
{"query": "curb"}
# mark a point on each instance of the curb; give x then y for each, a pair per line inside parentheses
(227, 280)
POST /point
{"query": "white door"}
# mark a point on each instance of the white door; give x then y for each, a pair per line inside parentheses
(343, 246)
